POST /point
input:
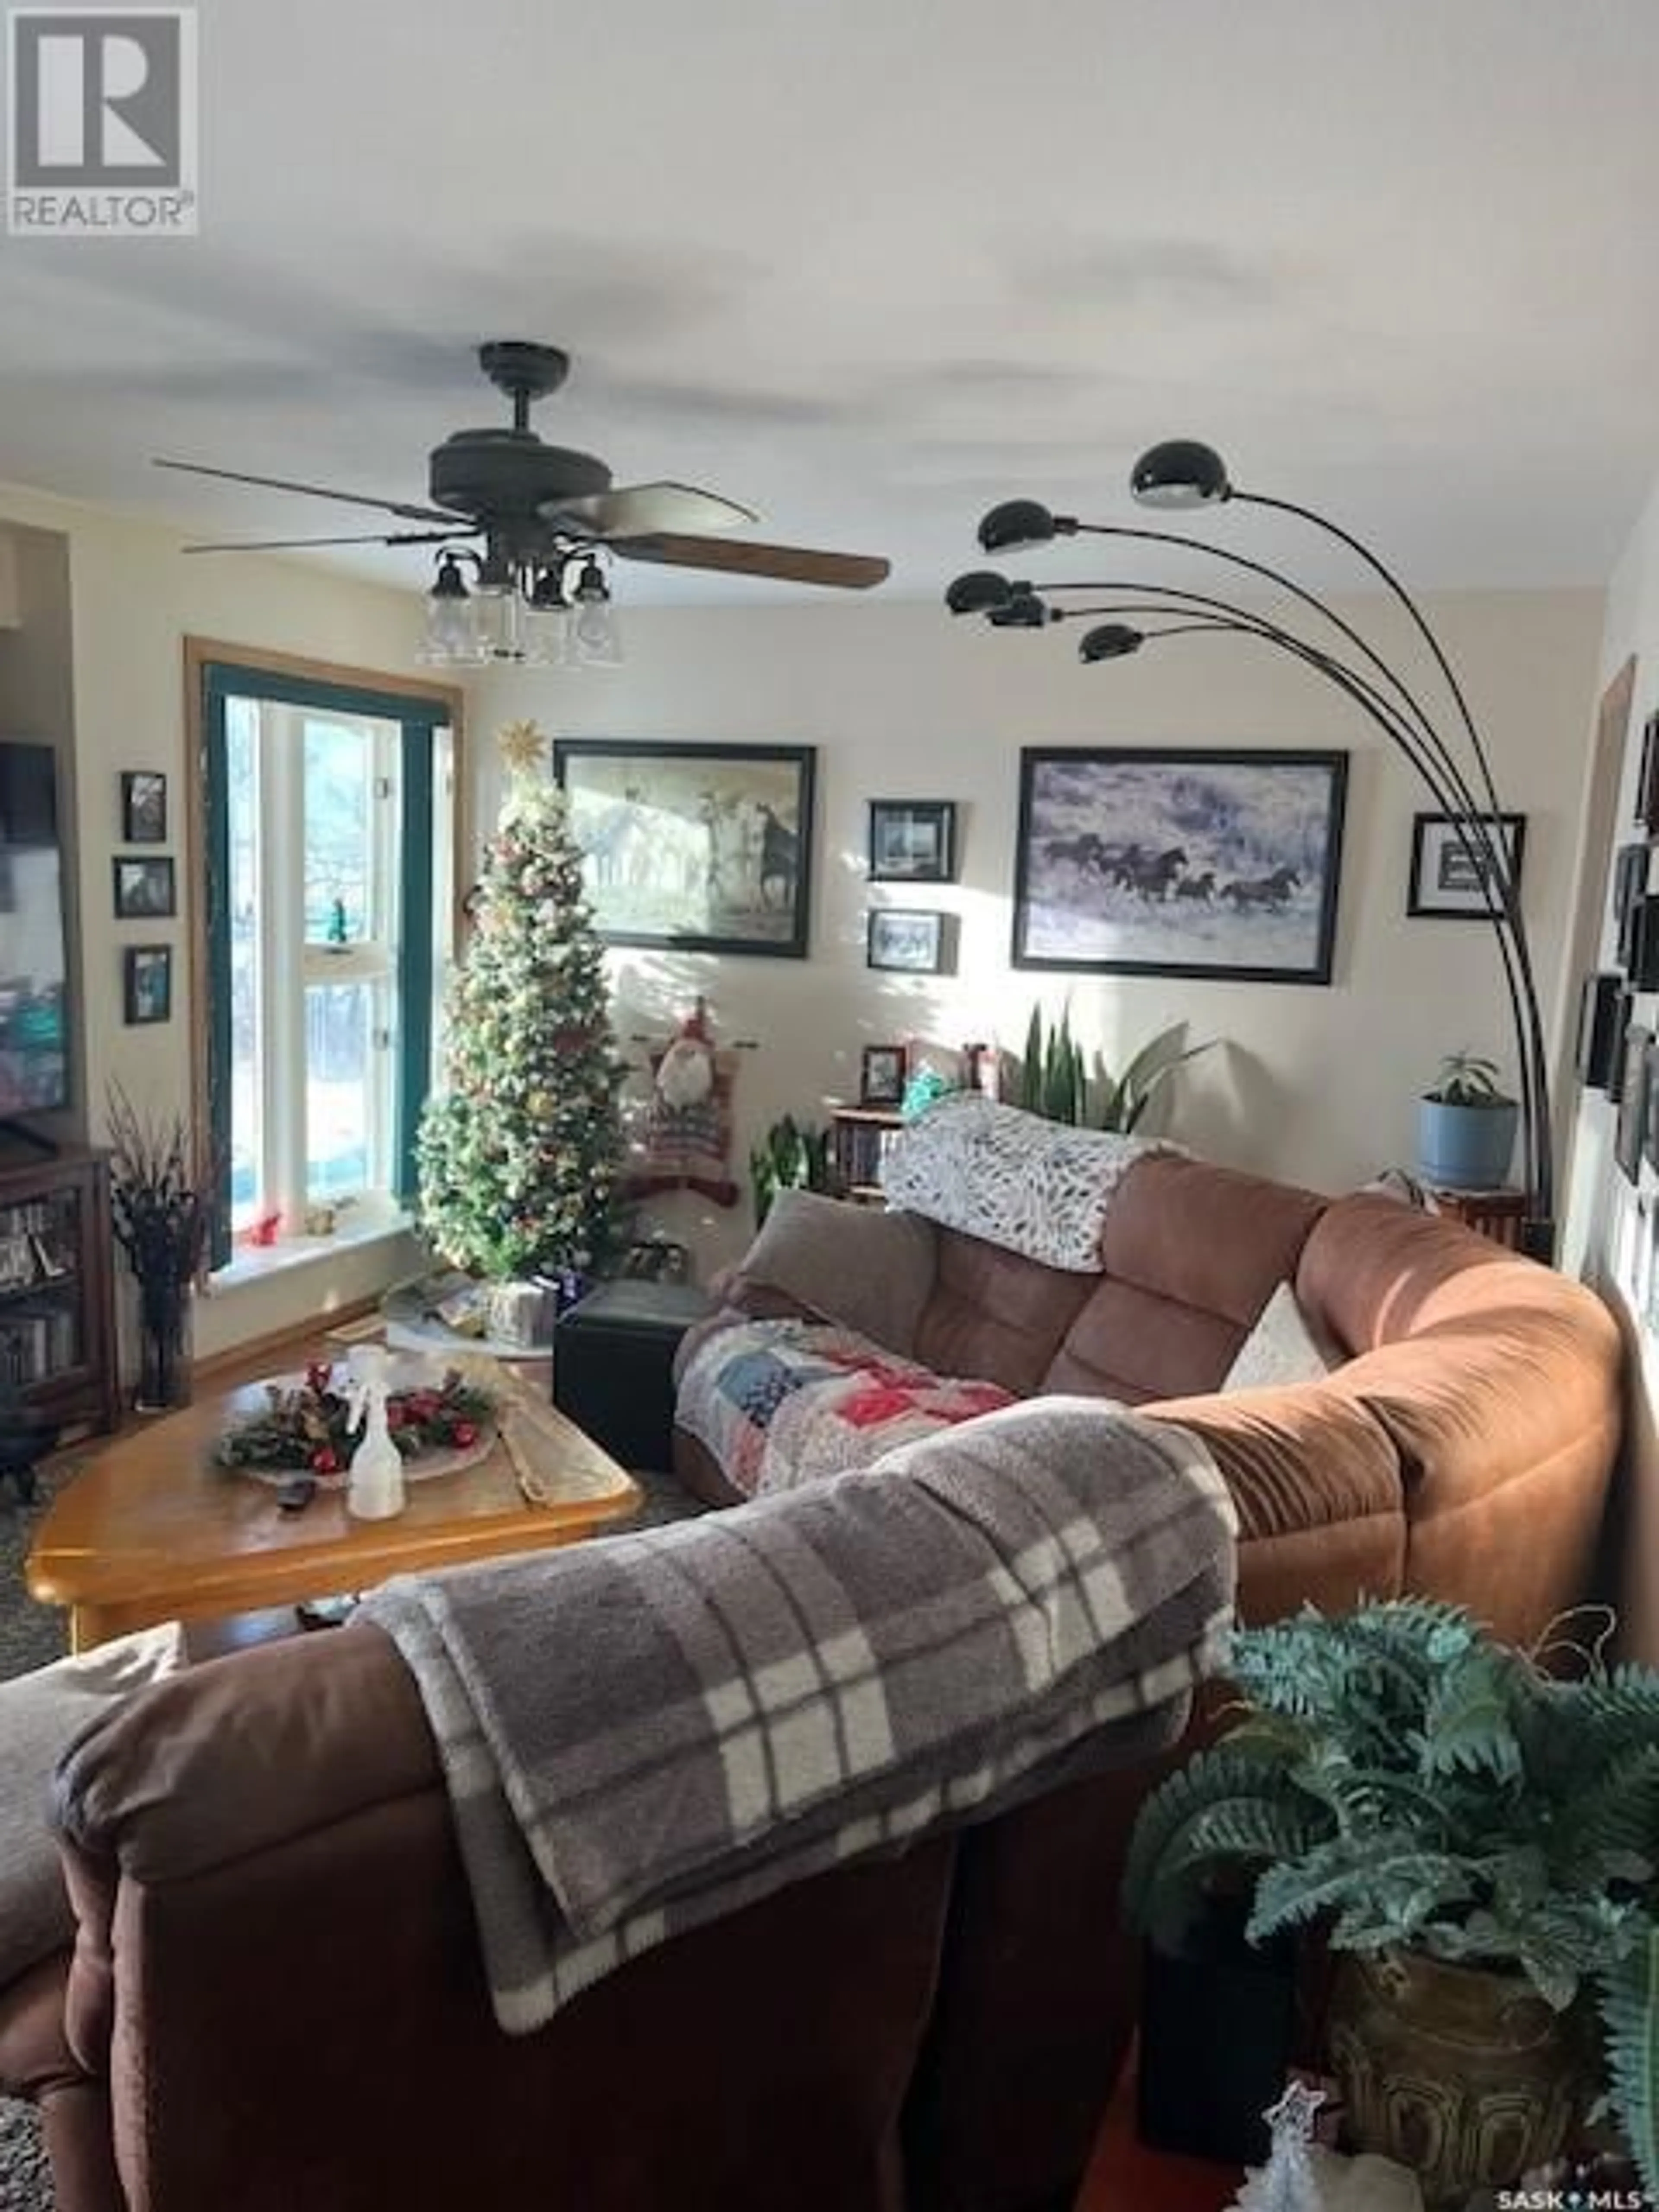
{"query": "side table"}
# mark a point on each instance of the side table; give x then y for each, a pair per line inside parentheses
(1498, 1215)
(613, 1360)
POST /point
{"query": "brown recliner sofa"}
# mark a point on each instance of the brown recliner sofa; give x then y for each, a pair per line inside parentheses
(276, 1999)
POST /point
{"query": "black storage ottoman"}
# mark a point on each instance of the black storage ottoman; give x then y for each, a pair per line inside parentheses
(613, 1356)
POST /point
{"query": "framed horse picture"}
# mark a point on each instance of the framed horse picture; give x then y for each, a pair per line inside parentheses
(1137, 861)
(705, 848)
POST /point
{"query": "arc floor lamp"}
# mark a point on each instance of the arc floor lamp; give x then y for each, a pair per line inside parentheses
(1127, 613)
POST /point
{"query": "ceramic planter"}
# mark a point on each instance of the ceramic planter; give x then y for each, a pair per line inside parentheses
(1468, 2078)
(1466, 1147)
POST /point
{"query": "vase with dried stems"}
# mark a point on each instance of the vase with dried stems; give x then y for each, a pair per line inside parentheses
(160, 1208)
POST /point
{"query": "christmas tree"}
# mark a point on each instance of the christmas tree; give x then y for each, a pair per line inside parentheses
(520, 1154)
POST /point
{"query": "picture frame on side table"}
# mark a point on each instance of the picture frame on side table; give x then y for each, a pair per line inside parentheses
(700, 847)
(882, 1073)
(147, 992)
(1160, 860)
(143, 807)
(145, 890)
(1633, 1102)
(913, 840)
(1447, 881)
(902, 938)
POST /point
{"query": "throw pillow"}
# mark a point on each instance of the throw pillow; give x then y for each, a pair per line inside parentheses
(1282, 1347)
(40, 1715)
(871, 1270)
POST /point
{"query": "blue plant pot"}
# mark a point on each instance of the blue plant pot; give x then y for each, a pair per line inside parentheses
(1465, 1147)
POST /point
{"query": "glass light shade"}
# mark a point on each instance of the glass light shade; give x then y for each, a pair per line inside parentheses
(452, 637)
(1016, 522)
(545, 635)
(499, 616)
(595, 640)
(1178, 474)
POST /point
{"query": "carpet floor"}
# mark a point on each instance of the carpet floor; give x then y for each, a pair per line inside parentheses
(32, 1635)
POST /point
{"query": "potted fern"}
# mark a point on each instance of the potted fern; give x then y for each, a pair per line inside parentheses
(1465, 1126)
(1478, 1841)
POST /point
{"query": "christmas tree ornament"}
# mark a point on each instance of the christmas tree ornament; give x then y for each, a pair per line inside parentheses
(1304, 2175)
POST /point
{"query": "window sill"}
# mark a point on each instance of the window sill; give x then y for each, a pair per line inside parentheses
(258, 1263)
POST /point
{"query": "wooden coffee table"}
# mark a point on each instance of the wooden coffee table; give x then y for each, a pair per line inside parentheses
(152, 1530)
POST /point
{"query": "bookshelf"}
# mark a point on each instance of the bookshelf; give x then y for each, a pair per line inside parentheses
(57, 1298)
(859, 1137)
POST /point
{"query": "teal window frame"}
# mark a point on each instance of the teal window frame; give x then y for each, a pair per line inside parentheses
(419, 719)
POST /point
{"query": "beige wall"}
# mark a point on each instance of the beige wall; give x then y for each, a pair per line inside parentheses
(133, 598)
(1316, 1085)
(1612, 1225)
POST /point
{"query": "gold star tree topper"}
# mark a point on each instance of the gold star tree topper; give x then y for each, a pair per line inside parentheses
(524, 748)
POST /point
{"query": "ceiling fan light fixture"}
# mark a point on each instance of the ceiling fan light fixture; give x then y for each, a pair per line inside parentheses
(1110, 642)
(595, 638)
(451, 634)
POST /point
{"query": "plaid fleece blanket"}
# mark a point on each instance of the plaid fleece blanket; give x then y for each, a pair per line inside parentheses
(642, 1734)
(780, 1403)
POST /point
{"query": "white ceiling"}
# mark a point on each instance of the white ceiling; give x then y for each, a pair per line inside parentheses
(872, 265)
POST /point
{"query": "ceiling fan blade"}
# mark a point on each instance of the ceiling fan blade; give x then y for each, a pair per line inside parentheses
(790, 564)
(318, 491)
(640, 510)
(374, 538)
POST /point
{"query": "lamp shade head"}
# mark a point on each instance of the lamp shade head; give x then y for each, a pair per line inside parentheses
(1016, 522)
(1109, 641)
(1023, 610)
(978, 591)
(1180, 473)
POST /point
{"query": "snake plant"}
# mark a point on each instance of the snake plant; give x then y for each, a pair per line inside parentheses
(1406, 1780)
(1055, 1080)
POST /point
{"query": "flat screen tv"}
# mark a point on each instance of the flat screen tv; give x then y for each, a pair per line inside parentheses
(34, 1013)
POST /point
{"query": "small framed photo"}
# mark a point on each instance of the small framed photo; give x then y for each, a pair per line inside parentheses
(913, 840)
(900, 937)
(145, 890)
(881, 1075)
(143, 807)
(149, 983)
(1448, 881)
(1633, 1102)
(1629, 884)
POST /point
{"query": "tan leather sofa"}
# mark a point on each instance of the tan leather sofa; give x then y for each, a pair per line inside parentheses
(276, 1998)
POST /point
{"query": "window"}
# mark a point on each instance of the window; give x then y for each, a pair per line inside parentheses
(329, 814)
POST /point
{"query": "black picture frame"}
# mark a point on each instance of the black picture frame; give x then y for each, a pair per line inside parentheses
(1647, 780)
(1632, 1126)
(1154, 861)
(883, 1073)
(1629, 884)
(143, 807)
(1599, 1033)
(701, 848)
(145, 890)
(1614, 1088)
(1445, 882)
(912, 840)
(906, 940)
(147, 984)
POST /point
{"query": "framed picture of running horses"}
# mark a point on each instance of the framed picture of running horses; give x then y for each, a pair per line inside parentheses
(706, 847)
(1143, 861)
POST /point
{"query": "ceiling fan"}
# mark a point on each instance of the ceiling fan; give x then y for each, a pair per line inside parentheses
(539, 514)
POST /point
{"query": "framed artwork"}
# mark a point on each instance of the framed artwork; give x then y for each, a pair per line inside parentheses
(900, 937)
(143, 807)
(1613, 1087)
(1448, 881)
(144, 890)
(1143, 861)
(1650, 1106)
(1599, 1033)
(1629, 884)
(1647, 780)
(705, 848)
(149, 979)
(913, 840)
(1632, 1101)
(881, 1075)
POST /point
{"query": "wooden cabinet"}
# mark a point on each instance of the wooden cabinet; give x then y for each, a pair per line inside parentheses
(57, 1290)
(859, 1139)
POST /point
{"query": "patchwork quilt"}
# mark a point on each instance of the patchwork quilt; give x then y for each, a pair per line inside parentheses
(783, 1403)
